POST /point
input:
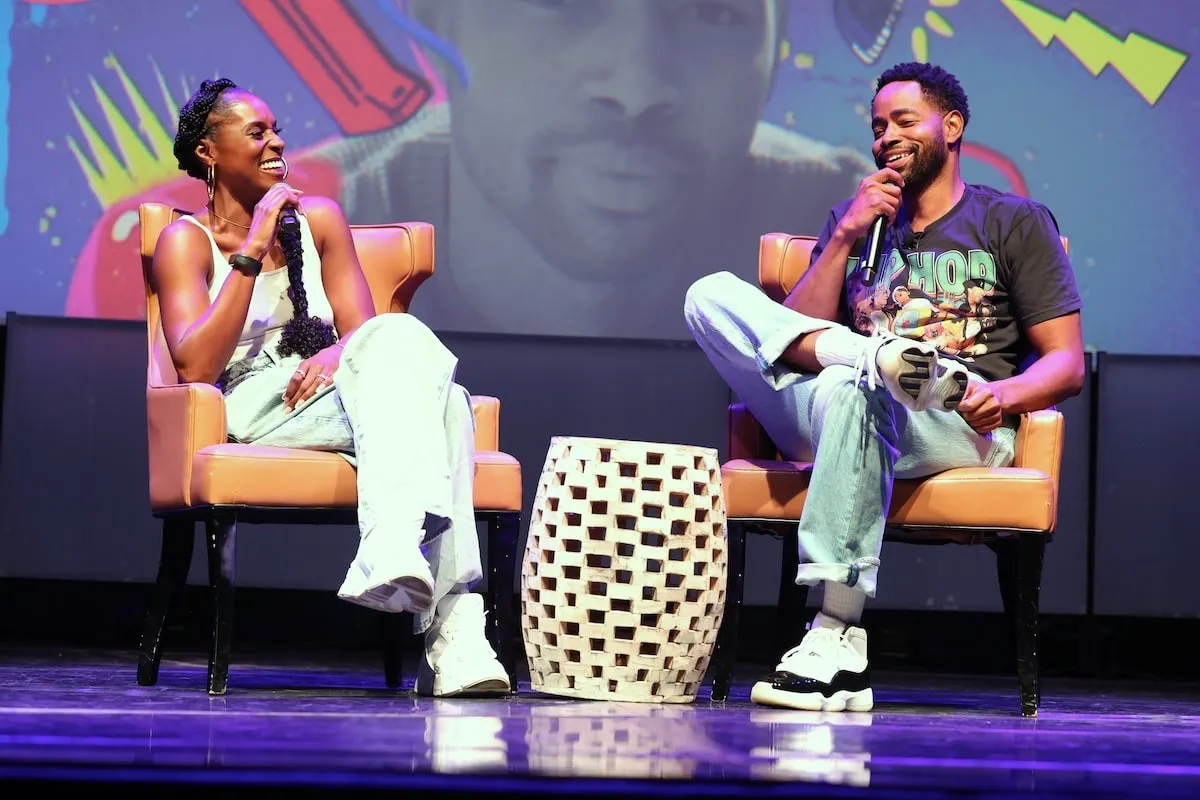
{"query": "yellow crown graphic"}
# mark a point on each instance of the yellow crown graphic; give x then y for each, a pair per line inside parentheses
(142, 162)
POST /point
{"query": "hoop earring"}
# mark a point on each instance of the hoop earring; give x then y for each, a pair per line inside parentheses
(286, 169)
(211, 182)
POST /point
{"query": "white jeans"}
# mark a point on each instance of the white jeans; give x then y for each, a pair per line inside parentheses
(859, 440)
(394, 411)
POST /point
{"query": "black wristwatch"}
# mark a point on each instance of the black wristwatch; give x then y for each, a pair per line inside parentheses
(245, 264)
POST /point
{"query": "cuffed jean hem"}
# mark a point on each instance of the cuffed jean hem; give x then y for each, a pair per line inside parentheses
(767, 356)
(860, 575)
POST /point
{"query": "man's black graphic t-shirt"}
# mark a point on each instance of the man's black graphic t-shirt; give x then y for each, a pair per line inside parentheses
(970, 283)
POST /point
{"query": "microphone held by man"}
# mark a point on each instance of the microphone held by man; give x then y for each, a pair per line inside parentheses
(883, 190)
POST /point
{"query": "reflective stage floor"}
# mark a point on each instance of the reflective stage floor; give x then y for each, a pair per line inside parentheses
(77, 718)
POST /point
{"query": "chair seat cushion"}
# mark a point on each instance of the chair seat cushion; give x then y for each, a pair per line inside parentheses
(246, 474)
(978, 497)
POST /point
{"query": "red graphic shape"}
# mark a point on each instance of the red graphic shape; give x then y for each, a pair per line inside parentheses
(348, 70)
(999, 162)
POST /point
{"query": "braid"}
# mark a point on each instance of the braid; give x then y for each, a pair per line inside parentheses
(195, 124)
(304, 334)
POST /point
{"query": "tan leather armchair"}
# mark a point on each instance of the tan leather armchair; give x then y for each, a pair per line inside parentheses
(1012, 510)
(197, 475)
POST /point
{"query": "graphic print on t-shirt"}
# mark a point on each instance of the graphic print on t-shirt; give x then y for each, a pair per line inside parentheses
(943, 298)
(971, 282)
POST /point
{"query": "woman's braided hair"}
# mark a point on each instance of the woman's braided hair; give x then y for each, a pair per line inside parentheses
(304, 335)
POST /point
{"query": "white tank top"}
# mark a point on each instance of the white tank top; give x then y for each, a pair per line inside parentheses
(270, 308)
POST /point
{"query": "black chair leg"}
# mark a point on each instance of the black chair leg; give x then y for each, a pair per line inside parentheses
(173, 565)
(725, 655)
(1029, 586)
(790, 617)
(1019, 568)
(503, 531)
(394, 634)
(221, 536)
(1006, 572)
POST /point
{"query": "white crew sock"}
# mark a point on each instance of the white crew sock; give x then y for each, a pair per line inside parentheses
(840, 345)
(843, 603)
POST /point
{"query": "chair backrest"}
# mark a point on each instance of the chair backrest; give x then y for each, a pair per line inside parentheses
(395, 258)
(783, 258)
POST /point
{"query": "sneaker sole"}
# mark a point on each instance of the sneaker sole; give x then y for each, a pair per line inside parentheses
(956, 395)
(766, 695)
(408, 593)
(916, 375)
(918, 378)
(428, 685)
(492, 687)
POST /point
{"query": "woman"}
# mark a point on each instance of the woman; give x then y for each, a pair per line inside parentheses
(262, 295)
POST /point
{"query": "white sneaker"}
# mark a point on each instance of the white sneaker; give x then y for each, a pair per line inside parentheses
(914, 373)
(827, 671)
(393, 584)
(458, 658)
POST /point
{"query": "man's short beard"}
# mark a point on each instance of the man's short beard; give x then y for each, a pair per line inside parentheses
(927, 165)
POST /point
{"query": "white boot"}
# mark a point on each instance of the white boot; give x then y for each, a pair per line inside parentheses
(458, 658)
(386, 580)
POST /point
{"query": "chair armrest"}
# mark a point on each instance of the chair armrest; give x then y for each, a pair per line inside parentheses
(487, 422)
(1040, 442)
(783, 259)
(180, 420)
(747, 439)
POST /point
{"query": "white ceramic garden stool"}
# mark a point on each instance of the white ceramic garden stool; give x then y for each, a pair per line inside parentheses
(623, 581)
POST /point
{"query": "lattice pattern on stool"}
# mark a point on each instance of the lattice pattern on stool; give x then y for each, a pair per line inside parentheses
(623, 583)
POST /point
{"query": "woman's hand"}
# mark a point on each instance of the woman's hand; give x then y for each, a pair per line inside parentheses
(265, 223)
(312, 374)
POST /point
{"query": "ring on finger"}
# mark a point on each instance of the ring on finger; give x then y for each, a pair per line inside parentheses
(300, 372)
(323, 378)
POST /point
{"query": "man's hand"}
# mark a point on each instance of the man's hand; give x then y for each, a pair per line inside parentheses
(982, 406)
(878, 195)
(312, 374)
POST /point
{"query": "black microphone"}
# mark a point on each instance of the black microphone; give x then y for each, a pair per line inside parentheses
(287, 214)
(872, 250)
(288, 220)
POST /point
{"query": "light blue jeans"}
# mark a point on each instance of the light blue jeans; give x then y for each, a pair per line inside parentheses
(394, 411)
(859, 440)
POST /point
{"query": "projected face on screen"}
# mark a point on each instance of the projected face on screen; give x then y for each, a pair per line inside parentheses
(599, 156)
(597, 126)
(582, 161)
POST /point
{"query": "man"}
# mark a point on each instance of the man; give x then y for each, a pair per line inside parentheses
(590, 155)
(869, 405)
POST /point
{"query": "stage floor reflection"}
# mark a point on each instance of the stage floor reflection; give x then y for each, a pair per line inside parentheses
(292, 722)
